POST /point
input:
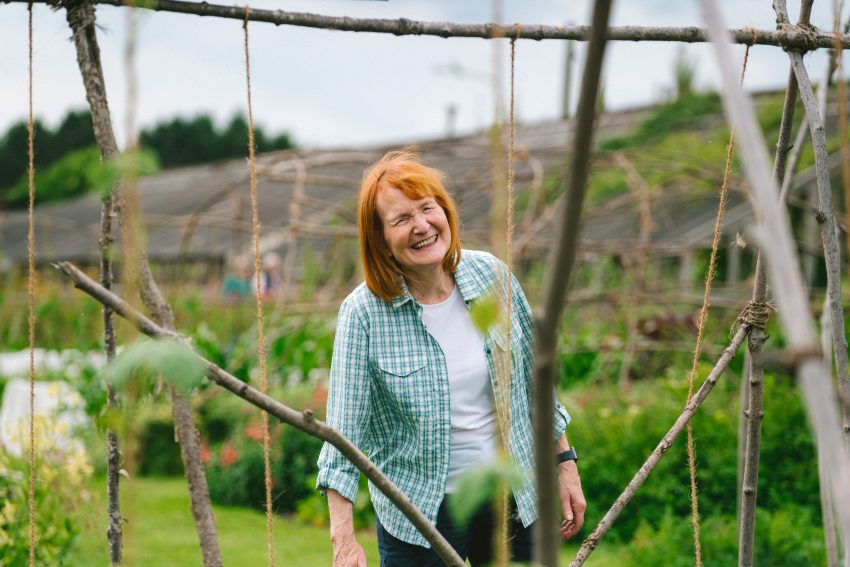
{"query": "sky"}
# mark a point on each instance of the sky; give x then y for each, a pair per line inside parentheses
(331, 88)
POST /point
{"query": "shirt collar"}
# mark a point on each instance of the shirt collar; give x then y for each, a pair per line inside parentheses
(469, 287)
(405, 296)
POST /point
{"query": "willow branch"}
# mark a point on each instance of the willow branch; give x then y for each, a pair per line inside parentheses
(789, 38)
(661, 449)
(301, 420)
(81, 19)
(757, 338)
(826, 504)
(826, 219)
(557, 279)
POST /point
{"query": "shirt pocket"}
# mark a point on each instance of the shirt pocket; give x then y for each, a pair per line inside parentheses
(406, 382)
(519, 358)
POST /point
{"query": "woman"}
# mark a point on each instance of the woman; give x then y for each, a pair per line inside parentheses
(412, 380)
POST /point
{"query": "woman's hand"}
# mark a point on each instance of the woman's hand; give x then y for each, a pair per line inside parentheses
(348, 553)
(572, 499)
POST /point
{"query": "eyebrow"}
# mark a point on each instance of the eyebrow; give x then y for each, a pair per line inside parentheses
(425, 202)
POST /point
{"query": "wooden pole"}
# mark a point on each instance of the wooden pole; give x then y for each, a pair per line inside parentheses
(755, 371)
(792, 37)
(557, 279)
(826, 504)
(81, 19)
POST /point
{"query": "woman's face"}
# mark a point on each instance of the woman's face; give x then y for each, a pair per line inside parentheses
(416, 231)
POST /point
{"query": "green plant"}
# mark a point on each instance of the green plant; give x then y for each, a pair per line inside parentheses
(785, 537)
(623, 429)
(235, 474)
(678, 114)
(297, 469)
(157, 454)
(62, 475)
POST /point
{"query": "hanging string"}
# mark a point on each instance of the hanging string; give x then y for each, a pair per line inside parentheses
(31, 290)
(509, 241)
(502, 555)
(261, 348)
(703, 316)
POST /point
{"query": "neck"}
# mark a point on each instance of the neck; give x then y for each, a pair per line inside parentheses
(432, 287)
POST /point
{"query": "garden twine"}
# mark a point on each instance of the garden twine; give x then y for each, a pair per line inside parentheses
(261, 348)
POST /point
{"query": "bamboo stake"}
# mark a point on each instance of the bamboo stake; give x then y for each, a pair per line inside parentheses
(774, 235)
(661, 449)
(301, 420)
(792, 38)
(81, 19)
(557, 279)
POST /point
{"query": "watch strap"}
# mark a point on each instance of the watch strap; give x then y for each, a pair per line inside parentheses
(568, 455)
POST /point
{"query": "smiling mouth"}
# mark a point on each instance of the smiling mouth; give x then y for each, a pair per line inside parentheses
(424, 243)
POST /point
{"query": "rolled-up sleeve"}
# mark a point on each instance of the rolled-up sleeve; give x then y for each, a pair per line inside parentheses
(526, 321)
(348, 400)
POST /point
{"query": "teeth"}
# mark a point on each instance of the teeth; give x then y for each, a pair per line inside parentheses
(424, 243)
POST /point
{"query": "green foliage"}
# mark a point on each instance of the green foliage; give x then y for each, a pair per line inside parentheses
(482, 484)
(67, 161)
(232, 469)
(297, 472)
(157, 454)
(60, 493)
(236, 474)
(74, 133)
(622, 431)
(128, 165)
(785, 537)
(148, 360)
(676, 115)
(80, 172)
(484, 313)
(197, 140)
(70, 176)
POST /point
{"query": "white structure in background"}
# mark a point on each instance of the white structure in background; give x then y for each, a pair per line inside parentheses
(59, 413)
(69, 362)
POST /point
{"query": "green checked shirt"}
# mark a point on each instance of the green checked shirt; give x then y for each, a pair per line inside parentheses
(389, 394)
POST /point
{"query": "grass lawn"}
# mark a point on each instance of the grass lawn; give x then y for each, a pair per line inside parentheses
(160, 533)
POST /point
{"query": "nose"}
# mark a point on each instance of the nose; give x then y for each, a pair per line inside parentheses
(420, 222)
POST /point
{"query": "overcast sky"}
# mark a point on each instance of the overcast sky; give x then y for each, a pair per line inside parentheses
(329, 88)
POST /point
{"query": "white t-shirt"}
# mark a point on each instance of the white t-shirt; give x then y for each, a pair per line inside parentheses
(474, 435)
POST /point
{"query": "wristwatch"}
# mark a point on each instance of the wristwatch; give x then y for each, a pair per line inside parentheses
(568, 455)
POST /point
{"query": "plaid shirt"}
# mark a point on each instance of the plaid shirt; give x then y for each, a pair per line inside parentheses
(389, 394)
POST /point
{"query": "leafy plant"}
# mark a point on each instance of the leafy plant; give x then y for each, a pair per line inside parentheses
(62, 474)
(784, 537)
(148, 360)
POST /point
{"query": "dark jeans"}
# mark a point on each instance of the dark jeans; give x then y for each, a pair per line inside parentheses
(473, 541)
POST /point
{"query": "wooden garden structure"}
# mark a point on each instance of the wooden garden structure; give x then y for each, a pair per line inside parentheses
(777, 263)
